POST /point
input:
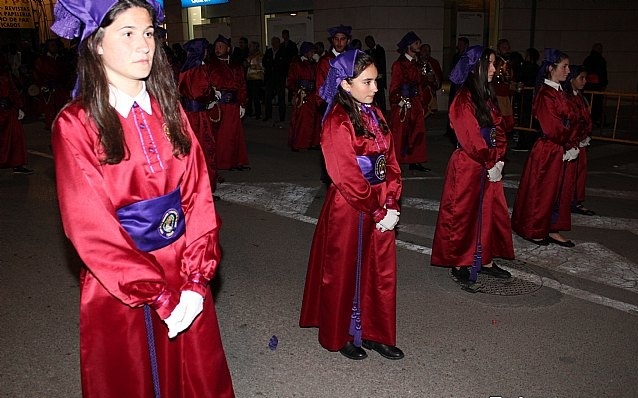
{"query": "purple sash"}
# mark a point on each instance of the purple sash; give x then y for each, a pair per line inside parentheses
(373, 168)
(154, 223)
(489, 135)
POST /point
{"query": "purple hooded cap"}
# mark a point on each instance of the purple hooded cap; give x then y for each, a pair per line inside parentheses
(408, 39)
(341, 68)
(80, 18)
(466, 63)
(346, 30)
(195, 53)
(551, 56)
(305, 47)
(222, 39)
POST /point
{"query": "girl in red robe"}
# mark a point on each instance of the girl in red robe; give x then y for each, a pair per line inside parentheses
(473, 224)
(350, 291)
(543, 202)
(135, 202)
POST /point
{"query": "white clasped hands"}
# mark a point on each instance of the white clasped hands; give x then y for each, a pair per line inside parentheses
(571, 154)
(495, 174)
(388, 222)
(189, 306)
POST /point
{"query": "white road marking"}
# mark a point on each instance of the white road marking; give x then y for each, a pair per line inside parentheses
(292, 201)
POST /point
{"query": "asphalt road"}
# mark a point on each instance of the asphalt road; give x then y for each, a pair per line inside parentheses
(565, 326)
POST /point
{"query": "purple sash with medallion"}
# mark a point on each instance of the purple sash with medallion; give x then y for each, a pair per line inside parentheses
(154, 223)
(372, 167)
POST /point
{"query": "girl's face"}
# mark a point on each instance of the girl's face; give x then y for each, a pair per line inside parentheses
(560, 72)
(491, 69)
(578, 83)
(127, 49)
(364, 86)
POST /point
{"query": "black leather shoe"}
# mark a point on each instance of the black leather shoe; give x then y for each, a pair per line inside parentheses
(567, 243)
(580, 209)
(418, 166)
(353, 352)
(540, 242)
(462, 274)
(386, 351)
(495, 271)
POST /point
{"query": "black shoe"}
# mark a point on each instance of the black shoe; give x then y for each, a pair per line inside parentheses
(567, 243)
(580, 209)
(353, 352)
(386, 351)
(540, 242)
(462, 274)
(495, 271)
(22, 170)
(418, 166)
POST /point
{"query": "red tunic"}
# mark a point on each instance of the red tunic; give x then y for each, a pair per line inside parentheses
(302, 126)
(13, 147)
(457, 224)
(194, 85)
(229, 131)
(330, 280)
(408, 125)
(118, 279)
(546, 176)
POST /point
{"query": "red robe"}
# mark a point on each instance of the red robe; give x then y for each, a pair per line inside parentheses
(118, 279)
(323, 66)
(194, 85)
(457, 223)
(13, 147)
(330, 280)
(229, 131)
(546, 177)
(304, 114)
(584, 130)
(407, 125)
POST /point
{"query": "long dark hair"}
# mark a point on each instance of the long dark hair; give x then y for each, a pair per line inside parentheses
(351, 106)
(93, 92)
(483, 96)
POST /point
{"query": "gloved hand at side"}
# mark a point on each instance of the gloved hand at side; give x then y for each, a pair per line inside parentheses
(189, 306)
(495, 173)
(571, 154)
(584, 142)
(242, 112)
(389, 221)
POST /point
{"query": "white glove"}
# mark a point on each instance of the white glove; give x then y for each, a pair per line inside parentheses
(218, 94)
(189, 306)
(242, 112)
(571, 154)
(389, 221)
(584, 142)
(20, 114)
(495, 173)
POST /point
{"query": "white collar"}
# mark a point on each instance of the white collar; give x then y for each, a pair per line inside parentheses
(123, 102)
(335, 52)
(408, 56)
(554, 85)
(303, 58)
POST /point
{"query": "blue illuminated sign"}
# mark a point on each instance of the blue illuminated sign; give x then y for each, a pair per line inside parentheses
(197, 3)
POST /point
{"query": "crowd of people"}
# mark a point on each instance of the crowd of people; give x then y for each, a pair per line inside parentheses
(140, 131)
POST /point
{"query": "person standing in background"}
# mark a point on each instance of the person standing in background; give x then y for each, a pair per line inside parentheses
(350, 289)
(573, 86)
(254, 80)
(136, 203)
(407, 115)
(596, 66)
(432, 78)
(473, 225)
(290, 52)
(377, 52)
(275, 70)
(301, 81)
(543, 202)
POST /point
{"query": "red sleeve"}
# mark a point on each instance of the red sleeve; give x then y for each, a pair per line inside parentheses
(323, 66)
(195, 84)
(393, 178)
(341, 162)
(291, 79)
(90, 221)
(396, 80)
(467, 129)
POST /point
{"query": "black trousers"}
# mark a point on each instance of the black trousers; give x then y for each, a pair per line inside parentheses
(275, 89)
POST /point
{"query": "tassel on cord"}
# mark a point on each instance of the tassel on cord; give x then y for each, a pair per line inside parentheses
(478, 253)
(355, 319)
